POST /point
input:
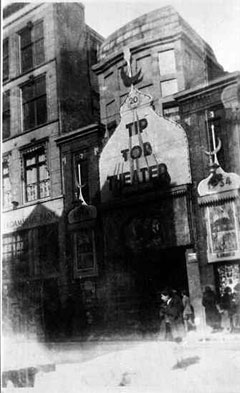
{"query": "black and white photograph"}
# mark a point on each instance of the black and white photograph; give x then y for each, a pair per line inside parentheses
(120, 201)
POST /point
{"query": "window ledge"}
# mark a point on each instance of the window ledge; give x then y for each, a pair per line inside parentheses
(32, 203)
(20, 75)
(31, 129)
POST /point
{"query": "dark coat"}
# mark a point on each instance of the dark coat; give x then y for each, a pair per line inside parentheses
(173, 310)
(173, 316)
(213, 317)
(227, 303)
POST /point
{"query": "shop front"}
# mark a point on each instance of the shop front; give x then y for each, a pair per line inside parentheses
(31, 269)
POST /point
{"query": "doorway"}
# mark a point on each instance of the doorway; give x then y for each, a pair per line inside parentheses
(156, 270)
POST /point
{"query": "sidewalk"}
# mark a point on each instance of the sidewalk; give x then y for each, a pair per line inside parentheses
(204, 334)
(27, 353)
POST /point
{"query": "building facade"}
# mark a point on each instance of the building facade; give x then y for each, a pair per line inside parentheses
(48, 90)
(101, 213)
(154, 70)
(210, 115)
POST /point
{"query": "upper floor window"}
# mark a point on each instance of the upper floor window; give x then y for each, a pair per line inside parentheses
(81, 176)
(169, 87)
(32, 46)
(36, 174)
(34, 102)
(6, 115)
(6, 184)
(5, 59)
(167, 63)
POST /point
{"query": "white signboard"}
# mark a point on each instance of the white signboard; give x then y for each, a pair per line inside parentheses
(145, 148)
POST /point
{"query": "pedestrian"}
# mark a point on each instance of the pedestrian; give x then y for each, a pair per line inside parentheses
(213, 317)
(188, 315)
(228, 307)
(172, 313)
(236, 299)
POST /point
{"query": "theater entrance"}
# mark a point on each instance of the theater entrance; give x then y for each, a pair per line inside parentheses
(156, 270)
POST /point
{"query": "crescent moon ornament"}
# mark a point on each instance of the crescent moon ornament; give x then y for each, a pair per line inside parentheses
(216, 150)
(129, 80)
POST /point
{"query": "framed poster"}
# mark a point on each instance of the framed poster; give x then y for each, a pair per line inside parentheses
(84, 253)
(222, 232)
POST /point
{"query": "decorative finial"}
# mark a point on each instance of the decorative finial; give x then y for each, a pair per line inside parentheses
(127, 58)
(213, 153)
(129, 80)
(80, 186)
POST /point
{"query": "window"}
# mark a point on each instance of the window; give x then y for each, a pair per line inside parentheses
(109, 86)
(15, 255)
(31, 252)
(81, 176)
(167, 63)
(36, 175)
(32, 46)
(145, 65)
(84, 252)
(6, 114)
(169, 87)
(34, 103)
(5, 59)
(172, 113)
(6, 186)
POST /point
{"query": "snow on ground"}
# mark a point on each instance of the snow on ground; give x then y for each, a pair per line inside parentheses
(167, 367)
(17, 352)
(194, 365)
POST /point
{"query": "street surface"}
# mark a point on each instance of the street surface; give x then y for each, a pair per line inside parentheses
(198, 364)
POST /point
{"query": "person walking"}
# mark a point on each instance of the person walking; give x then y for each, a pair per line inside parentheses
(188, 316)
(172, 312)
(228, 307)
(236, 299)
(213, 317)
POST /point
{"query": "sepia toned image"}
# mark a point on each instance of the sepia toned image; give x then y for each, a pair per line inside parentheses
(120, 235)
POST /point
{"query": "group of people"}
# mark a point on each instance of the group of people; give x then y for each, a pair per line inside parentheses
(176, 314)
(224, 310)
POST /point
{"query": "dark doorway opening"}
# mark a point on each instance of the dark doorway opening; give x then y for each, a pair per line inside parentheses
(156, 270)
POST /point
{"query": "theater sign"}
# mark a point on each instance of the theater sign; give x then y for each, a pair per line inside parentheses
(146, 150)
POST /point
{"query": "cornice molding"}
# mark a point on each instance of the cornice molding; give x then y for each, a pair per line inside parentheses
(81, 132)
